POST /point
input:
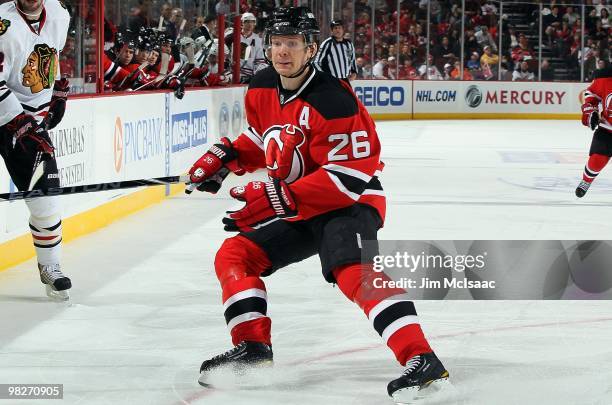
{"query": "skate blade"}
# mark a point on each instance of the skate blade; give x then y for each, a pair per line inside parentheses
(437, 390)
(57, 295)
(236, 377)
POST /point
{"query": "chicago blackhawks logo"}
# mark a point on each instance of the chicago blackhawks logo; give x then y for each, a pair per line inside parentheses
(4, 24)
(40, 69)
(283, 157)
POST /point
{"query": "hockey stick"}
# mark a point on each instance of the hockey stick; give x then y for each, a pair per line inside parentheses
(92, 188)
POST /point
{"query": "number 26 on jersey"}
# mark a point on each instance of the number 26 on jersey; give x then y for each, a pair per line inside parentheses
(359, 146)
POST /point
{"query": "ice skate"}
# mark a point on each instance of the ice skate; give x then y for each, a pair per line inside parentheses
(243, 356)
(424, 376)
(56, 283)
(582, 188)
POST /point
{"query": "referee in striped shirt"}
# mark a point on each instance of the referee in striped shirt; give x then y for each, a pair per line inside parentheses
(337, 55)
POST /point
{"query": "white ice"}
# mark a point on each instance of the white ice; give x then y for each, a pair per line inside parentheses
(145, 308)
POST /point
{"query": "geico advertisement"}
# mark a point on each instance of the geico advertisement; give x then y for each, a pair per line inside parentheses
(384, 96)
(496, 97)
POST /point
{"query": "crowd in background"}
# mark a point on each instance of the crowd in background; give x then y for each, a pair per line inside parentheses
(390, 43)
(482, 55)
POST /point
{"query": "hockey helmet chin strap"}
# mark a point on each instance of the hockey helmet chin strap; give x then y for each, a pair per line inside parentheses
(35, 14)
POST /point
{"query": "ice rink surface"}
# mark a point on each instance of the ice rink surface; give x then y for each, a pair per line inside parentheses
(145, 308)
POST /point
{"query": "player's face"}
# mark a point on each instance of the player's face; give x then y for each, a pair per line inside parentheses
(166, 48)
(30, 6)
(126, 55)
(289, 54)
(248, 27)
(141, 56)
(153, 56)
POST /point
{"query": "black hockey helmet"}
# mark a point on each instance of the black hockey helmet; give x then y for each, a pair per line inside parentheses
(336, 23)
(292, 21)
(124, 38)
(146, 38)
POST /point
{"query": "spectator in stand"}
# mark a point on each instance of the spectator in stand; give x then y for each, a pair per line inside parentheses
(474, 62)
(456, 72)
(391, 68)
(367, 71)
(590, 65)
(430, 73)
(378, 70)
(405, 53)
(510, 39)
(407, 71)
(165, 21)
(546, 73)
(562, 39)
(448, 68)
(222, 7)
(522, 51)
(179, 22)
(599, 33)
(360, 62)
(551, 21)
(140, 16)
(208, 30)
(523, 74)
(471, 44)
(570, 16)
(435, 8)
(605, 18)
(489, 57)
(445, 52)
(484, 38)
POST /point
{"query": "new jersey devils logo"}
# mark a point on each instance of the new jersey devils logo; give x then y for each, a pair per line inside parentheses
(283, 157)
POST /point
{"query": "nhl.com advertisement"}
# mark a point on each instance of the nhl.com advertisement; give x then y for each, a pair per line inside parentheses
(478, 97)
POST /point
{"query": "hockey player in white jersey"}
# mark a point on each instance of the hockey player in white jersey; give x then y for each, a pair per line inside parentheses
(251, 48)
(33, 100)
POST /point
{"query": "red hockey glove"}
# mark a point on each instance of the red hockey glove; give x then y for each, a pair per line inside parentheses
(264, 202)
(58, 104)
(29, 133)
(210, 170)
(590, 116)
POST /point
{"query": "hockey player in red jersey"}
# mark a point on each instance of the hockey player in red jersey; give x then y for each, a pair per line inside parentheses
(597, 115)
(321, 151)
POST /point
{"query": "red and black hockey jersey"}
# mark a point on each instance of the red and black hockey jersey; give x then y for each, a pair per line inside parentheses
(600, 91)
(333, 162)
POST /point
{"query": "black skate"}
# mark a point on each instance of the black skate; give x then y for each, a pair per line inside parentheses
(582, 188)
(424, 374)
(56, 283)
(241, 357)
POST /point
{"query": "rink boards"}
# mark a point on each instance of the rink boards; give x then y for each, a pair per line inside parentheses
(105, 139)
(407, 99)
